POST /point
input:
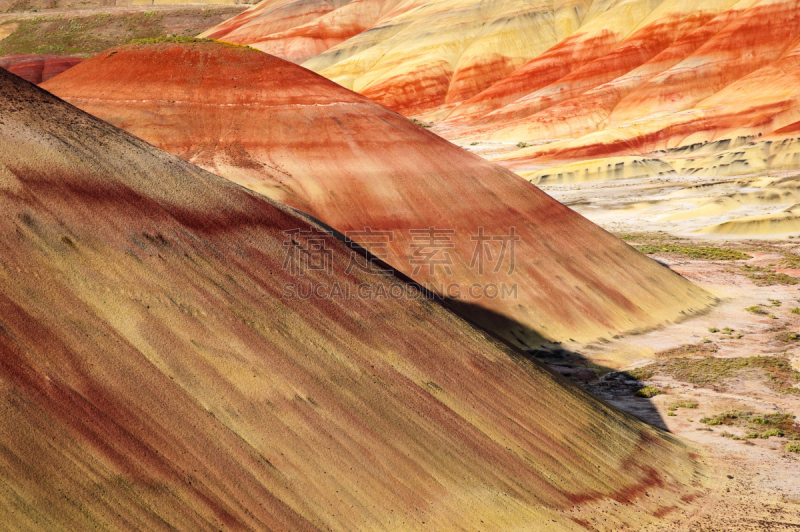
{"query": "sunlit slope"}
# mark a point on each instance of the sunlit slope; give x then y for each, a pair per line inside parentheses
(443, 53)
(715, 88)
(612, 90)
(281, 31)
(154, 377)
(409, 55)
(296, 137)
(610, 78)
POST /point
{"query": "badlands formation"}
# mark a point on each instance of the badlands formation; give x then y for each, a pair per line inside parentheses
(575, 91)
(152, 376)
(262, 349)
(300, 139)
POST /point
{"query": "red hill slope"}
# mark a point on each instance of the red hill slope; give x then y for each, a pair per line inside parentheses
(298, 138)
(153, 376)
(37, 68)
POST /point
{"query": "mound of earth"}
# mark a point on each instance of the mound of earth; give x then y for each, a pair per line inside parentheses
(156, 374)
(502, 252)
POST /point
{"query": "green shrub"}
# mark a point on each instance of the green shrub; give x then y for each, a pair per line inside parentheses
(713, 330)
(778, 433)
(648, 392)
(793, 447)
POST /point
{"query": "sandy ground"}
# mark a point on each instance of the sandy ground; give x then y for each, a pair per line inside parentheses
(758, 484)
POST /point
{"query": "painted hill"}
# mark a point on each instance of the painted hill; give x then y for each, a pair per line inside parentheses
(726, 76)
(154, 375)
(37, 68)
(743, 96)
(408, 55)
(298, 31)
(294, 136)
(589, 89)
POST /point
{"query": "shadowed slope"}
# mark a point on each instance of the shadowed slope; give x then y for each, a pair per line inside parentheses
(153, 376)
(296, 137)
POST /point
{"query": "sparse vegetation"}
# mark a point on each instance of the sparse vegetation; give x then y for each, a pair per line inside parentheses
(776, 372)
(522, 145)
(775, 302)
(648, 392)
(727, 330)
(756, 309)
(793, 447)
(713, 330)
(787, 337)
(171, 38)
(790, 261)
(767, 276)
(686, 404)
(761, 426)
(795, 310)
(777, 433)
(420, 123)
(87, 35)
(688, 350)
(711, 421)
(693, 251)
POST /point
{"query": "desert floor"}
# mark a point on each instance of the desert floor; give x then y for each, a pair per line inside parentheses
(703, 366)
